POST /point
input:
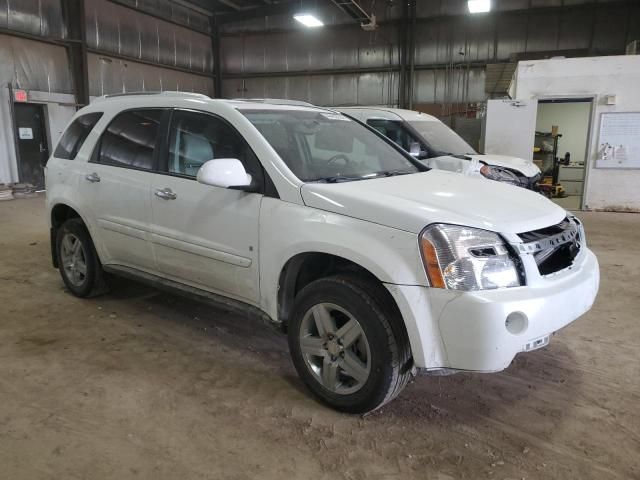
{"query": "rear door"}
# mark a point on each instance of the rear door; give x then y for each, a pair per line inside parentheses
(206, 236)
(116, 187)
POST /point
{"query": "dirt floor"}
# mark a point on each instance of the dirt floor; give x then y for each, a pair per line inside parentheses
(140, 384)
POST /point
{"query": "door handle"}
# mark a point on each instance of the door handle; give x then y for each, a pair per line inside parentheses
(92, 177)
(166, 193)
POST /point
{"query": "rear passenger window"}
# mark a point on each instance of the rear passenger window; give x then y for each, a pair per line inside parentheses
(75, 135)
(131, 138)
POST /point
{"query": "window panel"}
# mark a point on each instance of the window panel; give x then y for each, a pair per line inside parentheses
(131, 138)
(75, 135)
(196, 138)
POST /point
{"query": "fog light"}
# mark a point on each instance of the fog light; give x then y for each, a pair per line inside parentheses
(516, 323)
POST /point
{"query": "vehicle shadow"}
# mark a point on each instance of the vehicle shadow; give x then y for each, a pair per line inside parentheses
(537, 382)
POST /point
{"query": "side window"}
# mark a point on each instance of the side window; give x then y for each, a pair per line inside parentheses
(131, 139)
(196, 138)
(75, 135)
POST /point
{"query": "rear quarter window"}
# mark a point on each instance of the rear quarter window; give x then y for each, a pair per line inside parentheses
(75, 135)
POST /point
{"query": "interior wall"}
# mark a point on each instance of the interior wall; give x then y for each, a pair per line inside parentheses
(261, 52)
(573, 122)
(606, 189)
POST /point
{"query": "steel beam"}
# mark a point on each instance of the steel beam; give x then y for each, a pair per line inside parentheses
(215, 52)
(76, 43)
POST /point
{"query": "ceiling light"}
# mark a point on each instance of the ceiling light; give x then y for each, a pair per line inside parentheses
(479, 6)
(308, 20)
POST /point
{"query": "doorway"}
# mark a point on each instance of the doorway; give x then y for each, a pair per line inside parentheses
(560, 148)
(31, 141)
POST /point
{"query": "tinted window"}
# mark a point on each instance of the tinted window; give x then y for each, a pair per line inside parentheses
(196, 138)
(75, 135)
(130, 139)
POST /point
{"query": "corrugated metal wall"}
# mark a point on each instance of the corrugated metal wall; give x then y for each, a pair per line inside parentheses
(37, 17)
(111, 28)
(270, 56)
(123, 31)
(172, 11)
(33, 65)
(113, 75)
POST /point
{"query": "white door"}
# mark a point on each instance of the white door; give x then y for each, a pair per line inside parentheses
(202, 235)
(510, 127)
(117, 187)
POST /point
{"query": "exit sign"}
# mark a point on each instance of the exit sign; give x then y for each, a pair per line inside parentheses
(20, 95)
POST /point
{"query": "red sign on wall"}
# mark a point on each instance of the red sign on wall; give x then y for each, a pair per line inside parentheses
(20, 95)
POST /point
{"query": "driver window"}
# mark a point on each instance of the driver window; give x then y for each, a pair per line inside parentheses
(196, 138)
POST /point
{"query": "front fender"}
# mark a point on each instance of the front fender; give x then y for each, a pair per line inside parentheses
(287, 230)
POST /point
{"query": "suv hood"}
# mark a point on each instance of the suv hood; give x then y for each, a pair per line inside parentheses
(410, 202)
(526, 167)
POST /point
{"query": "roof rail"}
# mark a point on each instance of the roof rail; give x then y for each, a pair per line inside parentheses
(168, 93)
(275, 101)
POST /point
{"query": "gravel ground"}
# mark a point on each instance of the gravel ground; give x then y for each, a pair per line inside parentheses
(141, 384)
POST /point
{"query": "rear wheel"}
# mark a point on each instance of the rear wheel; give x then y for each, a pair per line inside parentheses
(78, 261)
(347, 344)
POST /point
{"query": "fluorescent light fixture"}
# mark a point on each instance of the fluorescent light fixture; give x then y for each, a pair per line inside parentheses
(479, 6)
(308, 20)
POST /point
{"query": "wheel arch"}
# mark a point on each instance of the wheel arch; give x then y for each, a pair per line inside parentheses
(60, 213)
(303, 268)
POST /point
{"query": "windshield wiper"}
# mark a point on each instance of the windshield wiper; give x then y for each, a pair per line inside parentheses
(338, 179)
(393, 173)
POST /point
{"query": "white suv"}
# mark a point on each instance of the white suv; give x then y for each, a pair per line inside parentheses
(437, 146)
(375, 265)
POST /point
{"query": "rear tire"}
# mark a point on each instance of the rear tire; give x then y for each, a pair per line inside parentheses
(78, 262)
(348, 343)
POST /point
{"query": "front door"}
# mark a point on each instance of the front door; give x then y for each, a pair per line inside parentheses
(202, 235)
(33, 149)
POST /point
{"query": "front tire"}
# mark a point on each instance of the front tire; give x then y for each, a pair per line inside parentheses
(348, 344)
(78, 261)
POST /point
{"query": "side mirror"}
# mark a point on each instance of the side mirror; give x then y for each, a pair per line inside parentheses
(225, 173)
(415, 150)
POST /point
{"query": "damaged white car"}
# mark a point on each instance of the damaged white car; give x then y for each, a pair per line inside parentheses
(431, 141)
(374, 264)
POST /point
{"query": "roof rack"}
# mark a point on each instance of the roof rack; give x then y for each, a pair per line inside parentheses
(275, 101)
(168, 93)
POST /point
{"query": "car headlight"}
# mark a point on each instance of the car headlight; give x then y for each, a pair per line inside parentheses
(464, 258)
(499, 174)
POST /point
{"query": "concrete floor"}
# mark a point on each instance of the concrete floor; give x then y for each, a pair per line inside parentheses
(139, 384)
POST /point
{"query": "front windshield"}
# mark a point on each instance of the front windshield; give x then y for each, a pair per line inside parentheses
(326, 146)
(441, 139)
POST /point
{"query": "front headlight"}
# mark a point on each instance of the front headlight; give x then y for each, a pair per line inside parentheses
(464, 258)
(499, 174)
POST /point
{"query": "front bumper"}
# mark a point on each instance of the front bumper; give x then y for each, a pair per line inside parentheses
(472, 326)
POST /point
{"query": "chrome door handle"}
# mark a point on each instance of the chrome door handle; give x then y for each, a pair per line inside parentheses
(92, 177)
(166, 193)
